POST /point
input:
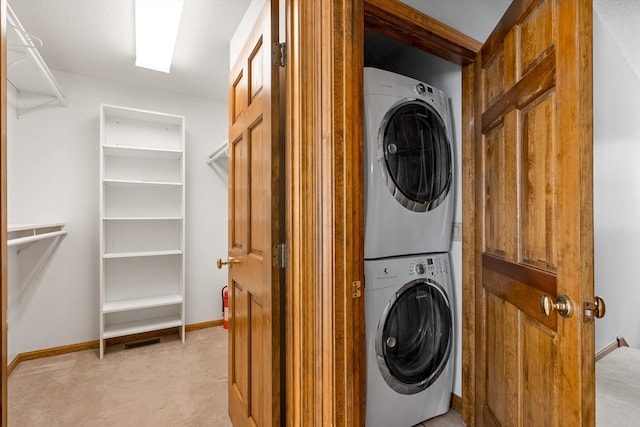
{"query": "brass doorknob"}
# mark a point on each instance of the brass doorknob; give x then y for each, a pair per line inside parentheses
(563, 305)
(600, 309)
(229, 261)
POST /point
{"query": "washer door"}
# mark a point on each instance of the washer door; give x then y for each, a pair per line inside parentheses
(414, 155)
(413, 340)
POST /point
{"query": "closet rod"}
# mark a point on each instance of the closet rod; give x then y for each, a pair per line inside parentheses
(35, 238)
(219, 152)
(13, 21)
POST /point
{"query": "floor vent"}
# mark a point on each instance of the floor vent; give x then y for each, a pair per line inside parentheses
(141, 343)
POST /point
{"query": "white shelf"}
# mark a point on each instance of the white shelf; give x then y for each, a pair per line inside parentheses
(142, 227)
(138, 254)
(141, 152)
(142, 218)
(125, 182)
(142, 116)
(140, 303)
(139, 326)
(22, 227)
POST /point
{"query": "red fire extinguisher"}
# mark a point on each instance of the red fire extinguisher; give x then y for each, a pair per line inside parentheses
(225, 307)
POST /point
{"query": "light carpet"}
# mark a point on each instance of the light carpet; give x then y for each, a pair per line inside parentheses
(618, 388)
(164, 384)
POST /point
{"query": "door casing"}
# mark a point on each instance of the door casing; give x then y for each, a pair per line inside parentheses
(325, 208)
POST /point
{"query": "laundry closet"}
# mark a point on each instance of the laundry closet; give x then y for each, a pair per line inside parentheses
(383, 53)
(56, 210)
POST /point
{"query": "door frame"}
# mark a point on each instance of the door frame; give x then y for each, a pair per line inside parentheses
(325, 206)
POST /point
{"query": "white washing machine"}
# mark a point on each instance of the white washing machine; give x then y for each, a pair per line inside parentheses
(409, 188)
(409, 331)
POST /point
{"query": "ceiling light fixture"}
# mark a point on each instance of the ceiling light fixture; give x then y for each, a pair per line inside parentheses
(157, 23)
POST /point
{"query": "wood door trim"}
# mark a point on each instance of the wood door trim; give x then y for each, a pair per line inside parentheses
(403, 23)
(324, 174)
(471, 266)
(538, 80)
(324, 207)
(541, 280)
(519, 293)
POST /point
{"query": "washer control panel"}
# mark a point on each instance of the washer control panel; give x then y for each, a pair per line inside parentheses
(429, 266)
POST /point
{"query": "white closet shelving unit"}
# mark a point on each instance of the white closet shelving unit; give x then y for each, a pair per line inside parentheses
(142, 230)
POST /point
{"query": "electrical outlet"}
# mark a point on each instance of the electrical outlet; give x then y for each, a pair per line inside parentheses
(456, 232)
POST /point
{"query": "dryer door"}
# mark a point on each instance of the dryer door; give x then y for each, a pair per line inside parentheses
(414, 155)
(414, 336)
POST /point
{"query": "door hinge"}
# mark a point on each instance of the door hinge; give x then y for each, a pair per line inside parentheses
(356, 287)
(279, 256)
(279, 54)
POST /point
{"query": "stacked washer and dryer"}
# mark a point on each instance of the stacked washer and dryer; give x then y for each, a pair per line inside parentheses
(408, 216)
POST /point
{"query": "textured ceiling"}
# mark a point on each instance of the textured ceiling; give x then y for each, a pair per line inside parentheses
(622, 19)
(96, 38)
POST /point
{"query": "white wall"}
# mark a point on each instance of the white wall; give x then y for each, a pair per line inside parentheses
(475, 18)
(53, 175)
(616, 111)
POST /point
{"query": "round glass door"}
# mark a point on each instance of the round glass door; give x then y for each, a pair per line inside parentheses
(413, 340)
(414, 155)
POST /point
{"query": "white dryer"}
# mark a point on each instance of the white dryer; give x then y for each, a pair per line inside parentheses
(409, 166)
(409, 332)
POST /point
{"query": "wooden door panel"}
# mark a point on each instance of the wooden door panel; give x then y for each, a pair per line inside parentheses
(520, 387)
(238, 194)
(495, 190)
(535, 35)
(254, 229)
(494, 76)
(238, 96)
(539, 373)
(259, 363)
(260, 183)
(531, 367)
(238, 350)
(255, 68)
(502, 350)
(538, 198)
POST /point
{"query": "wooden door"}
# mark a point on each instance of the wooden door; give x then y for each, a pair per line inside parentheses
(534, 234)
(254, 229)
